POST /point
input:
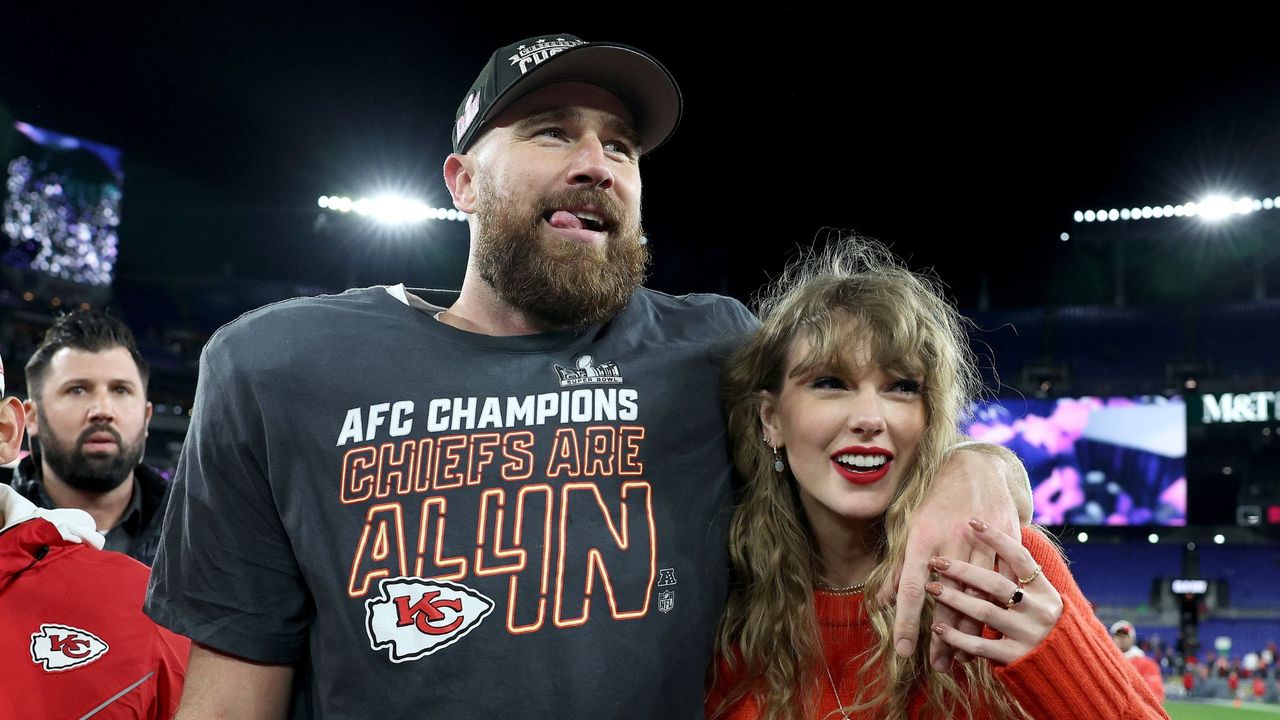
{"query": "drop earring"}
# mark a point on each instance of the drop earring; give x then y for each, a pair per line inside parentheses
(777, 459)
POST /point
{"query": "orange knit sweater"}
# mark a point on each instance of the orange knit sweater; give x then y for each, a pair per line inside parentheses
(1077, 672)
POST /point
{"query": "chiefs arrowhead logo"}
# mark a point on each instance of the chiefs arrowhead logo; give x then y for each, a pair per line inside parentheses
(413, 617)
(61, 647)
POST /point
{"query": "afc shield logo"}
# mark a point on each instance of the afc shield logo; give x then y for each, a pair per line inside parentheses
(62, 647)
(413, 617)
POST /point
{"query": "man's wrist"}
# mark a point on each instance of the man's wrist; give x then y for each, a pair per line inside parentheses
(1011, 469)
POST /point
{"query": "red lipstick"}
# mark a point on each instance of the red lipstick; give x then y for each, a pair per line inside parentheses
(859, 477)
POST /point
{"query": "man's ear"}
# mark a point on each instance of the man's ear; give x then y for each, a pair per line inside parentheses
(33, 413)
(13, 419)
(459, 176)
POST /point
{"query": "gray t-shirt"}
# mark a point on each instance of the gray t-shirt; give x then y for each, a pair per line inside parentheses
(434, 523)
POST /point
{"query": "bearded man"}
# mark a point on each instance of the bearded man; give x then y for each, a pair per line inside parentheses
(513, 505)
(89, 414)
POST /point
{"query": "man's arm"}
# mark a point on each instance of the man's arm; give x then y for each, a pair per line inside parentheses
(978, 480)
(1014, 473)
(221, 686)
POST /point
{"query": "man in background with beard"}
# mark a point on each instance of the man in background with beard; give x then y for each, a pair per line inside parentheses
(515, 505)
(88, 415)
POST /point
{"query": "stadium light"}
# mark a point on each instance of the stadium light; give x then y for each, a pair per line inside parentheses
(1219, 539)
(1153, 538)
(1214, 208)
(390, 209)
(1083, 537)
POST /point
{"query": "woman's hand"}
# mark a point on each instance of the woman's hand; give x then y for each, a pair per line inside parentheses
(970, 482)
(1024, 612)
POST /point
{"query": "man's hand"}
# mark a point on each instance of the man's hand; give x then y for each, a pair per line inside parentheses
(976, 481)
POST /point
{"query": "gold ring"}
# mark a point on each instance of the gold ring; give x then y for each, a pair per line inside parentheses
(1014, 599)
(1029, 578)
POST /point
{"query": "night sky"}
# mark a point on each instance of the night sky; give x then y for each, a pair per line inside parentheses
(965, 141)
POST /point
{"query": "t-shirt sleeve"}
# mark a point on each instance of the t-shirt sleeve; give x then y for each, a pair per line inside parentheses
(732, 323)
(226, 575)
(1048, 682)
(737, 318)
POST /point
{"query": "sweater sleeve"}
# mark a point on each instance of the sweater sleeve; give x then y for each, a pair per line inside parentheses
(1077, 671)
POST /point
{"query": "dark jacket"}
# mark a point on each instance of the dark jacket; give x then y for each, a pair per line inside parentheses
(155, 496)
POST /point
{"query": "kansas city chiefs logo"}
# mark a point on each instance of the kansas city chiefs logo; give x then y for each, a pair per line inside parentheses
(413, 617)
(62, 647)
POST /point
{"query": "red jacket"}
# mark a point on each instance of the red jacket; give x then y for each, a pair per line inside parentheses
(1150, 672)
(73, 639)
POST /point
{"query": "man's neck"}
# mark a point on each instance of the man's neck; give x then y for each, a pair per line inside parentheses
(479, 310)
(106, 508)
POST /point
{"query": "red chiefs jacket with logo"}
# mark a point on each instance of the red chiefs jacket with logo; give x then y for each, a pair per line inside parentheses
(73, 640)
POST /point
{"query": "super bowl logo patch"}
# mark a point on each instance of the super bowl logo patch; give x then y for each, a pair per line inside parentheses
(587, 372)
(61, 647)
(413, 618)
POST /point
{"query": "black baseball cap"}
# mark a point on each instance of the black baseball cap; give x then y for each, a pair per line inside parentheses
(636, 77)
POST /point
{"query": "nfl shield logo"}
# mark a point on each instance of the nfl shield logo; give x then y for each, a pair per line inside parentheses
(666, 600)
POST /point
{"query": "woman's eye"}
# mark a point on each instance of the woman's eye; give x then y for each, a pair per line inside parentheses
(827, 382)
(906, 386)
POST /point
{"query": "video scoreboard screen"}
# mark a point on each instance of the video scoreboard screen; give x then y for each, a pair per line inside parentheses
(1095, 460)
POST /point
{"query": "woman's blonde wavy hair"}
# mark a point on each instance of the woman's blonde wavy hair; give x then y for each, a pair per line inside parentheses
(853, 300)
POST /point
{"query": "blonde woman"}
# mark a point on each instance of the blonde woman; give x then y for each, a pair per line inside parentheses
(842, 408)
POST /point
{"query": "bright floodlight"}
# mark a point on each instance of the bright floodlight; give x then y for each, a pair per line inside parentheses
(1219, 539)
(1064, 237)
(1083, 537)
(1215, 207)
(389, 209)
(1153, 538)
(392, 209)
(1078, 216)
(1088, 216)
(1113, 214)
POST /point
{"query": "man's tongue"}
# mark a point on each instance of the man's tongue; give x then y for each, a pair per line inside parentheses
(564, 219)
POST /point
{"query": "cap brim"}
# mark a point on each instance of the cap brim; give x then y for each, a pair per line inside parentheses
(639, 81)
(1122, 628)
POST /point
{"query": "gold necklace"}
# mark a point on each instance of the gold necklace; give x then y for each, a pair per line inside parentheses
(834, 691)
(853, 589)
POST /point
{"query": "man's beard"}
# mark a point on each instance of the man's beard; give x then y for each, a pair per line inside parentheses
(560, 283)
(90, 473)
